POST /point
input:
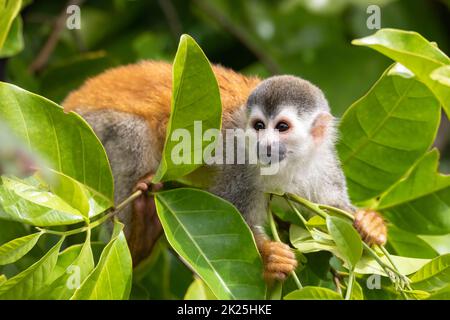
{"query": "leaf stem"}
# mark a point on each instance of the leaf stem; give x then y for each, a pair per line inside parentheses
(307, 204)
(297, 212)
(98, 222)
(275, 235)
(337, 210)
(388, 256)
(351, 280)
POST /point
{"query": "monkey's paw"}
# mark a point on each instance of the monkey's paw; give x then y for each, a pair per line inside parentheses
(371, 227)
(279, 260)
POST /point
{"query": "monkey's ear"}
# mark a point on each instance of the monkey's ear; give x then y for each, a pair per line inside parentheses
(321, 124)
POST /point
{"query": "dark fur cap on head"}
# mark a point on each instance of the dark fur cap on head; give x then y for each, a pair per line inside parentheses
(278, 91)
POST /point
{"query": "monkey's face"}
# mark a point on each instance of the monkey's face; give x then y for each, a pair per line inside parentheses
(290, 118)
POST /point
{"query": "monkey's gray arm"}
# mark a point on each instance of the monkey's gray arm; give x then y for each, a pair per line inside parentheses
(238, 185)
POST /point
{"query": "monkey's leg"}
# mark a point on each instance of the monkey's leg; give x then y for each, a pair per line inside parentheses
(371, 227)
(278, 258)
(145, 227)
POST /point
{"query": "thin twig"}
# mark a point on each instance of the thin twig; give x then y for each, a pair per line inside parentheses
(41, 60)
(241, 34)
(172, 18)
(274, 230)
(336, 280)
(98, 222)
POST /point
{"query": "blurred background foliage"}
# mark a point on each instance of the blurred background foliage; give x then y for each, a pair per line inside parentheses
(307, 38)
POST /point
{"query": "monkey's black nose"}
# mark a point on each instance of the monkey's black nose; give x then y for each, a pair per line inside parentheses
(268, 154)
(269, 151)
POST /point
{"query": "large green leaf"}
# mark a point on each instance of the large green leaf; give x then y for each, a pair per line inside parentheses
(409, 244)
(72, 268)
(111, 278)
(434, 275)
(211, 235)
(347, 239)
(3, 279)
(406, 266)
(65, 141)
(29, 201)
(442, 294)
(420, 203)
(439, 243)
(9, 9)
(199, 291)
(14, 42)
(313, 293)
(195, 97)
(14, 250)
(28, 283)
(415, 53)
(81, 197)
(385, 132)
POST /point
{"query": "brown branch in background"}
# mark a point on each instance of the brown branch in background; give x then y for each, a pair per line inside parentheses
(172, 17)
(41, 60)
(337, 280)
(240, 34)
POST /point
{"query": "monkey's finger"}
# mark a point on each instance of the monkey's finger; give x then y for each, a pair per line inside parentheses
(273, 249)
(141, 186)
(271, 276)
(281, 267)
(281, 259)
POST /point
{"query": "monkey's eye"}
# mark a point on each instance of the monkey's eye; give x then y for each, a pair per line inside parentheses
(259, 125)
(282, 126)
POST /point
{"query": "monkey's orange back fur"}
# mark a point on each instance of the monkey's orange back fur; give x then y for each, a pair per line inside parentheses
(145, 89)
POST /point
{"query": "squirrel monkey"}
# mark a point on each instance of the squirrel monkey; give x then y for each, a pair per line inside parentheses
(128, 107)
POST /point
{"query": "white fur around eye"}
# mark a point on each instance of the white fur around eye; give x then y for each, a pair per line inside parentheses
(256, 114)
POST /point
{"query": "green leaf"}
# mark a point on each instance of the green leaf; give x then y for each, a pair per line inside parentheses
(81, 197)
(443, 294)
(434, 275)
(111, 278)
(198, 290)
(195, 97)
(439, 243)
(420, 203)
(211, 235)
(8, 12)
(313, 293)
(442, 75)
(406, 266)
(14, 42)
(65, 141)
(3, 279)
(385, 132)
(14, 250)
(347, 239)
(73, 267)
(415, 53)
(28, 283)
(409, 244)
(316, 222)
(417, 294)
(30, 202)
(357, 292)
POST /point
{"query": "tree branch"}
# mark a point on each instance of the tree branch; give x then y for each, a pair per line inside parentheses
(41, 60)
(241, 35)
